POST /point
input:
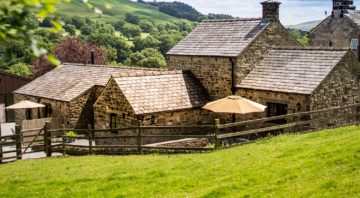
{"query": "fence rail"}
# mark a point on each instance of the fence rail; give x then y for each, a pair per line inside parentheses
(143, 139)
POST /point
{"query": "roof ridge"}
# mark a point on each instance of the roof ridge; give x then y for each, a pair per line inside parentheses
(115, 66)
(232, 20)
(310, 48)
(147, 73)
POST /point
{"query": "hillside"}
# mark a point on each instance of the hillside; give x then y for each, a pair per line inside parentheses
(324, 164)
(113, 10)
(307, 26)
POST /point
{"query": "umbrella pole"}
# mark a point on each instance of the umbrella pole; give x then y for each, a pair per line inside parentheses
(233, 117)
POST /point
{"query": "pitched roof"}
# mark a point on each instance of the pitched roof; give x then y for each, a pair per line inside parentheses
(227, 38)
(354, 15)
(293, 70)
(68, 81)
(162, 92)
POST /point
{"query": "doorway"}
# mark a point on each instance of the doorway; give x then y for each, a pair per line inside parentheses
(277, 109)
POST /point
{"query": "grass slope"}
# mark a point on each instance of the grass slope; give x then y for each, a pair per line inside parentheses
(118, 10)
(325, 164)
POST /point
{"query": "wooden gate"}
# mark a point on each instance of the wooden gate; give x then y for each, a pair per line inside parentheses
(33, 135)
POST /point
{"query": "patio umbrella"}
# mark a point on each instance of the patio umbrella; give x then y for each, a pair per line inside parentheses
(234, 105)
(25, 104)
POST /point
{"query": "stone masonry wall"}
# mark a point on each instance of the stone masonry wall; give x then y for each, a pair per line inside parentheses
(213, 72)
(338, 31)
(295, 102)
(60, 110)
(274, 36)
(113, 101)
(81, 112)
(341, 87)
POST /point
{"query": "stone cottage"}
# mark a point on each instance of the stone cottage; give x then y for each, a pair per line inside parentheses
(339, 30)
(151, 98)
(69, 92)
(220, 53)
(294, 80)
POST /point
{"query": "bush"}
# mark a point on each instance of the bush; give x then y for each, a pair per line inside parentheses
(20, 69)
(131, 30)
(131, 18)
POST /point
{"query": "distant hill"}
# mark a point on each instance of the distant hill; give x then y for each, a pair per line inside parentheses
(114, 10)
(307, 26)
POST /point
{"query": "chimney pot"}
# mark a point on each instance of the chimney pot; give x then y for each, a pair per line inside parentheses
(271, 10)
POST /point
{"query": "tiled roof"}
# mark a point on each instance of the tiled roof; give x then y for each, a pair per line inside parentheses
(354, 15)
(293, 70)
(162, 92)
(69, 81)
(227, 38)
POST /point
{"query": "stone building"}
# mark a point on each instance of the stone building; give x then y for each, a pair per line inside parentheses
(220, 53)
(69, 92)
(294, 80)
(151, 98)
(339, 30)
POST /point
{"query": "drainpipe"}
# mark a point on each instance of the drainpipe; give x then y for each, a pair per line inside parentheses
(233, 88)
(233, 63)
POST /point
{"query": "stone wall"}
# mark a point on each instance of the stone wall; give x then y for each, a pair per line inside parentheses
(60, 110)
(81, 112)
(334, 31)
(77, 113)
(341, 87)
(214, 73)
(295, 102)
(274, 36)
(113, 101)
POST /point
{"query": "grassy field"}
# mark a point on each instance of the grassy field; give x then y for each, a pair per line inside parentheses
(118, 10)
(324, 164)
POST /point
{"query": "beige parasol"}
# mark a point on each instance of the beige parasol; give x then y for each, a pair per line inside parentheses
(234, 105)
(25, 104)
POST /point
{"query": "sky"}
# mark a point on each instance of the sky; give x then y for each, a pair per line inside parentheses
(291, 12)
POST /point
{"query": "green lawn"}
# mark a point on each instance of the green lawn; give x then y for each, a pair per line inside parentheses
(325, 164)
(118, 10)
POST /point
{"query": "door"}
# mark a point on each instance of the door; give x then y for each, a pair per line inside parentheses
(277, 109)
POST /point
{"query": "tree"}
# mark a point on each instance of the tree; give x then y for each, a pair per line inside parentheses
(73, 50)
(147, 58)
(71, 29)
(131, 30)
(146, 42)
(146, 26)
(131, 18)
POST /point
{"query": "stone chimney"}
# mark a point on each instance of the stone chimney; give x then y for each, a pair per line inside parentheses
(271, 10)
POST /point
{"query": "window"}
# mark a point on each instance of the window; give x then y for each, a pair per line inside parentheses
(28, 114)
(330, 43)
(354, 44)
(277, 109)
(113, 121)
(298, 107)
(47, 110)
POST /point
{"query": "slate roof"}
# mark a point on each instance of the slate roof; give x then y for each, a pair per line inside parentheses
(68, 81)
(225, 38)
(292, 70)
(354, 15)
(166, 91)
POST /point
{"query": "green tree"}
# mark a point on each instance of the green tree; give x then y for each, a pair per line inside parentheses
(146, 26)
(131, 30)
(145, 42)
(148, 57)
(131, 18)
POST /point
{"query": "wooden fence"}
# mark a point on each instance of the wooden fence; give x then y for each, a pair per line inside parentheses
(141, 139)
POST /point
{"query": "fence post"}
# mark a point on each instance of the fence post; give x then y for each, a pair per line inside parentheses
(18, 142)
(139, 138)
(1, 147)
(47, 140)
(216, 132)
(90, 136)
(63, 140)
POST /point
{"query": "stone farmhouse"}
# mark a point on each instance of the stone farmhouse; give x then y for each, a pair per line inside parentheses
(253, 58)
(339, 30)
